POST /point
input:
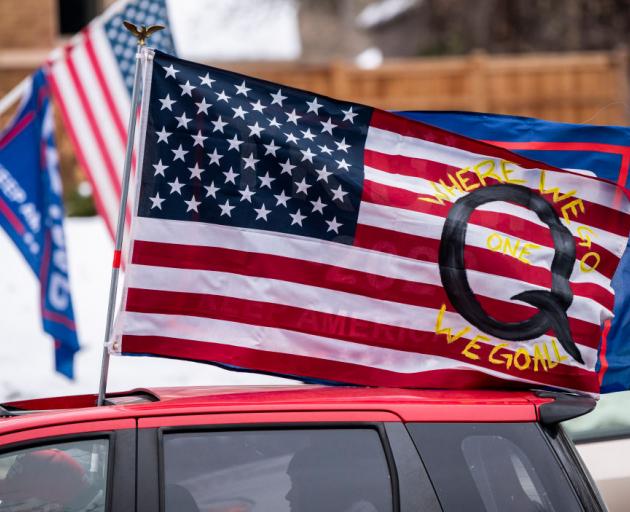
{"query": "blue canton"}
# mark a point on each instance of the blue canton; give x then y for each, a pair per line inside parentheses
(123, 43)
(228, 149)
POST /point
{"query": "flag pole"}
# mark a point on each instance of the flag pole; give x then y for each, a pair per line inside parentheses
(142, 34)
(14, 95)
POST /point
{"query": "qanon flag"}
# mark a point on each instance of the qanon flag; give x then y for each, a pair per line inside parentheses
(602, 151)
(279, 231)
(31, 213)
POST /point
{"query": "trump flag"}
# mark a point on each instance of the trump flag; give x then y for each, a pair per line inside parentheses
(280, 231)
(602, 151)
(31, 212)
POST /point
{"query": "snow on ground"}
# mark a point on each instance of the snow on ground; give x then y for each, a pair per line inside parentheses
(231, 30)
(26, 355)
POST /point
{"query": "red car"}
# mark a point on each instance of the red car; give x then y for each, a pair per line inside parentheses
(298, 449)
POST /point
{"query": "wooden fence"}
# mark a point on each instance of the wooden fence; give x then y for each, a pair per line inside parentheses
(587, 87)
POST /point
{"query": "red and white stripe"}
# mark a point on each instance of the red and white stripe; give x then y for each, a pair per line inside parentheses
(366, 313)
(89, 90)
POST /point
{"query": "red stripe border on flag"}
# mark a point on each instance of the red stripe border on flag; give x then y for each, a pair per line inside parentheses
(334, 371)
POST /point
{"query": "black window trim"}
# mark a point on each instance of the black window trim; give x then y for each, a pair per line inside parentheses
(579, 478)
(415, 486)
(302, 425)
(147, 480)
(110, 435)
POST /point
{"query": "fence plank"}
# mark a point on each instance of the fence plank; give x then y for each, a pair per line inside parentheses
(569, 87)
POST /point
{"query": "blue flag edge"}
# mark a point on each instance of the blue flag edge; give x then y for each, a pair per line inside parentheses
(487, 127)
(35, 110)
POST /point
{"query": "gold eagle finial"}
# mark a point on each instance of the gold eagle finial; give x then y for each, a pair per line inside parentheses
(143, 32)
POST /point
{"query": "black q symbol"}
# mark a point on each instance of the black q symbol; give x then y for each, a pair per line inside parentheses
(552, 305)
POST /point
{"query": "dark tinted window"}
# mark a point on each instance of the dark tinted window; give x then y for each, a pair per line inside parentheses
(336, 470)
(493, 467)
(76, 14)
(68, 477)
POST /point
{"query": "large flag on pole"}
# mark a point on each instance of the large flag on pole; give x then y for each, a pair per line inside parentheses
(91, 80)
(284, 232)
(600, 150)
(31, 213)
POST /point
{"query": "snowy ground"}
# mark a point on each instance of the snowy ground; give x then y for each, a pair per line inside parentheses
(26, 355)
(228, 30)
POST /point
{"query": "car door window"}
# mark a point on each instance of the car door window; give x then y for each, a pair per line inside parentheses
(59, 477)
(493, 467)
(287, 470)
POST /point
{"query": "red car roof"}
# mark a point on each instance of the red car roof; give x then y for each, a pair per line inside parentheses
(407, 404)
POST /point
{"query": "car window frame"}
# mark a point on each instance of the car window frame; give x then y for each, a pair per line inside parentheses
(117, 492)
(415, 486)
(579, 477)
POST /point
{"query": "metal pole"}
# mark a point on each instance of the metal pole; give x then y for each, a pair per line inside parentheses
(13, 95)
(142, 35)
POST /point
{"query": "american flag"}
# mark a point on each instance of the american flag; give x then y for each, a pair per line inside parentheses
(91, 80)
(281, 231)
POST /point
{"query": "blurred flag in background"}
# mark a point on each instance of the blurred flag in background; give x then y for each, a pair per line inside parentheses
(31, 213)
(91, 80)
(599, 150)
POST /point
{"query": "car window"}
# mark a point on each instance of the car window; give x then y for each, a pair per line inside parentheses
(59, 477)
(336, 470)
(610, 419)
(493, 467)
